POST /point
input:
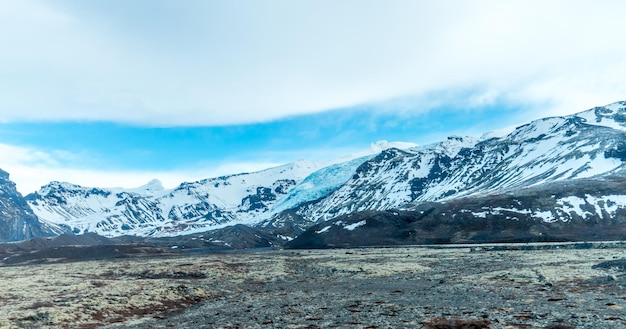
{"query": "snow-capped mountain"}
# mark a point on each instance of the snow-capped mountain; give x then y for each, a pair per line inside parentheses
(152, 210)
(589, 144)
(584, 145)
(586, 209)
(212, 203)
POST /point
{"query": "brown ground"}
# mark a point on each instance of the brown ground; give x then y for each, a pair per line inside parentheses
(349, 288)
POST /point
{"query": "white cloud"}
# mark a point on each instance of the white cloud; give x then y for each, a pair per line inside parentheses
(30, 169)
(198, 62)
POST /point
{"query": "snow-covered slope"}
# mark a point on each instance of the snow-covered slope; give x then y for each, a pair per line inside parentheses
(320, 183)
(612, 116)
(588, 209)
(151, 210)
(552, 149)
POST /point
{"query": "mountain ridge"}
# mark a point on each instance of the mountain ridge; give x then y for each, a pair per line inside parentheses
(191, 207)
(288, 199)
(589, 209)
(544, 150)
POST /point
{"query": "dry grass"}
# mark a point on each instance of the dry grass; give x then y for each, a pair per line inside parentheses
(92, 294)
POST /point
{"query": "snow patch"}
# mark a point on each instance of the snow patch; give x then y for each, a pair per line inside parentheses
(482, 214)
(286, 238)
(608, 204)
(546, 216)
(325, 229)
(352, 227)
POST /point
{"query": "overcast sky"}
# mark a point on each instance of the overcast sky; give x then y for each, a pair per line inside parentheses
(116, 92)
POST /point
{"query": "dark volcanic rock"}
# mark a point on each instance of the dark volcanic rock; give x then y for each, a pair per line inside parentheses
(244, 237)
(17, 220)
(70, 247)
(618, 264)
(89, 239)
(83, 253)
(230, 237)
(91, 246)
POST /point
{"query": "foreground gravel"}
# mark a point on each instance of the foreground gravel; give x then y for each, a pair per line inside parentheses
(356, 288)
(419, 288)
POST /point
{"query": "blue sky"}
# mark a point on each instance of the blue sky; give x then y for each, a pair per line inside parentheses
(314, 137)
(114, 93)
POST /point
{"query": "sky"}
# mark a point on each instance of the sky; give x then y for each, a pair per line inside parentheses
(115, 93)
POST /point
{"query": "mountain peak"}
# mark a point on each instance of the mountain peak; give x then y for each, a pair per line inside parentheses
(149, 189)
(382, 145)
(54, 185)
(153, 185)
(4, 175)
(620, 105)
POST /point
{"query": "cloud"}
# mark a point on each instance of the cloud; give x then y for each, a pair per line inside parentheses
(30, 169)
(219, 62)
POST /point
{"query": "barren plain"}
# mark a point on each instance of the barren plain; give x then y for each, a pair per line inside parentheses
(400, 287)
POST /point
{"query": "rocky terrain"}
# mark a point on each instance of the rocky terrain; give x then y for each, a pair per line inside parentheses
(478, 286)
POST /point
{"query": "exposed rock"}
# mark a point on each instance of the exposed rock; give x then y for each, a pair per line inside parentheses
(617, 264)
(17, 220)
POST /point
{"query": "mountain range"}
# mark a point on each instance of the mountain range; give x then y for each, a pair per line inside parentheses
(535, 182)
(151, 210)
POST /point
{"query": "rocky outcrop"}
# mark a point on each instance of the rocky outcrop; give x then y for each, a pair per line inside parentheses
(17, 220)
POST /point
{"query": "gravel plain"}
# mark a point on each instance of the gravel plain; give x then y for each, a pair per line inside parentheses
(400, 287)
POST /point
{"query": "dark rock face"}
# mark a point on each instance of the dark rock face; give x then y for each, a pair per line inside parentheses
(204, 210)
(618, 151)
(618, 115)
(243, 237)
(91, 246)
(260, 200)
(255, 201)
(226, 238)
(17, 220)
